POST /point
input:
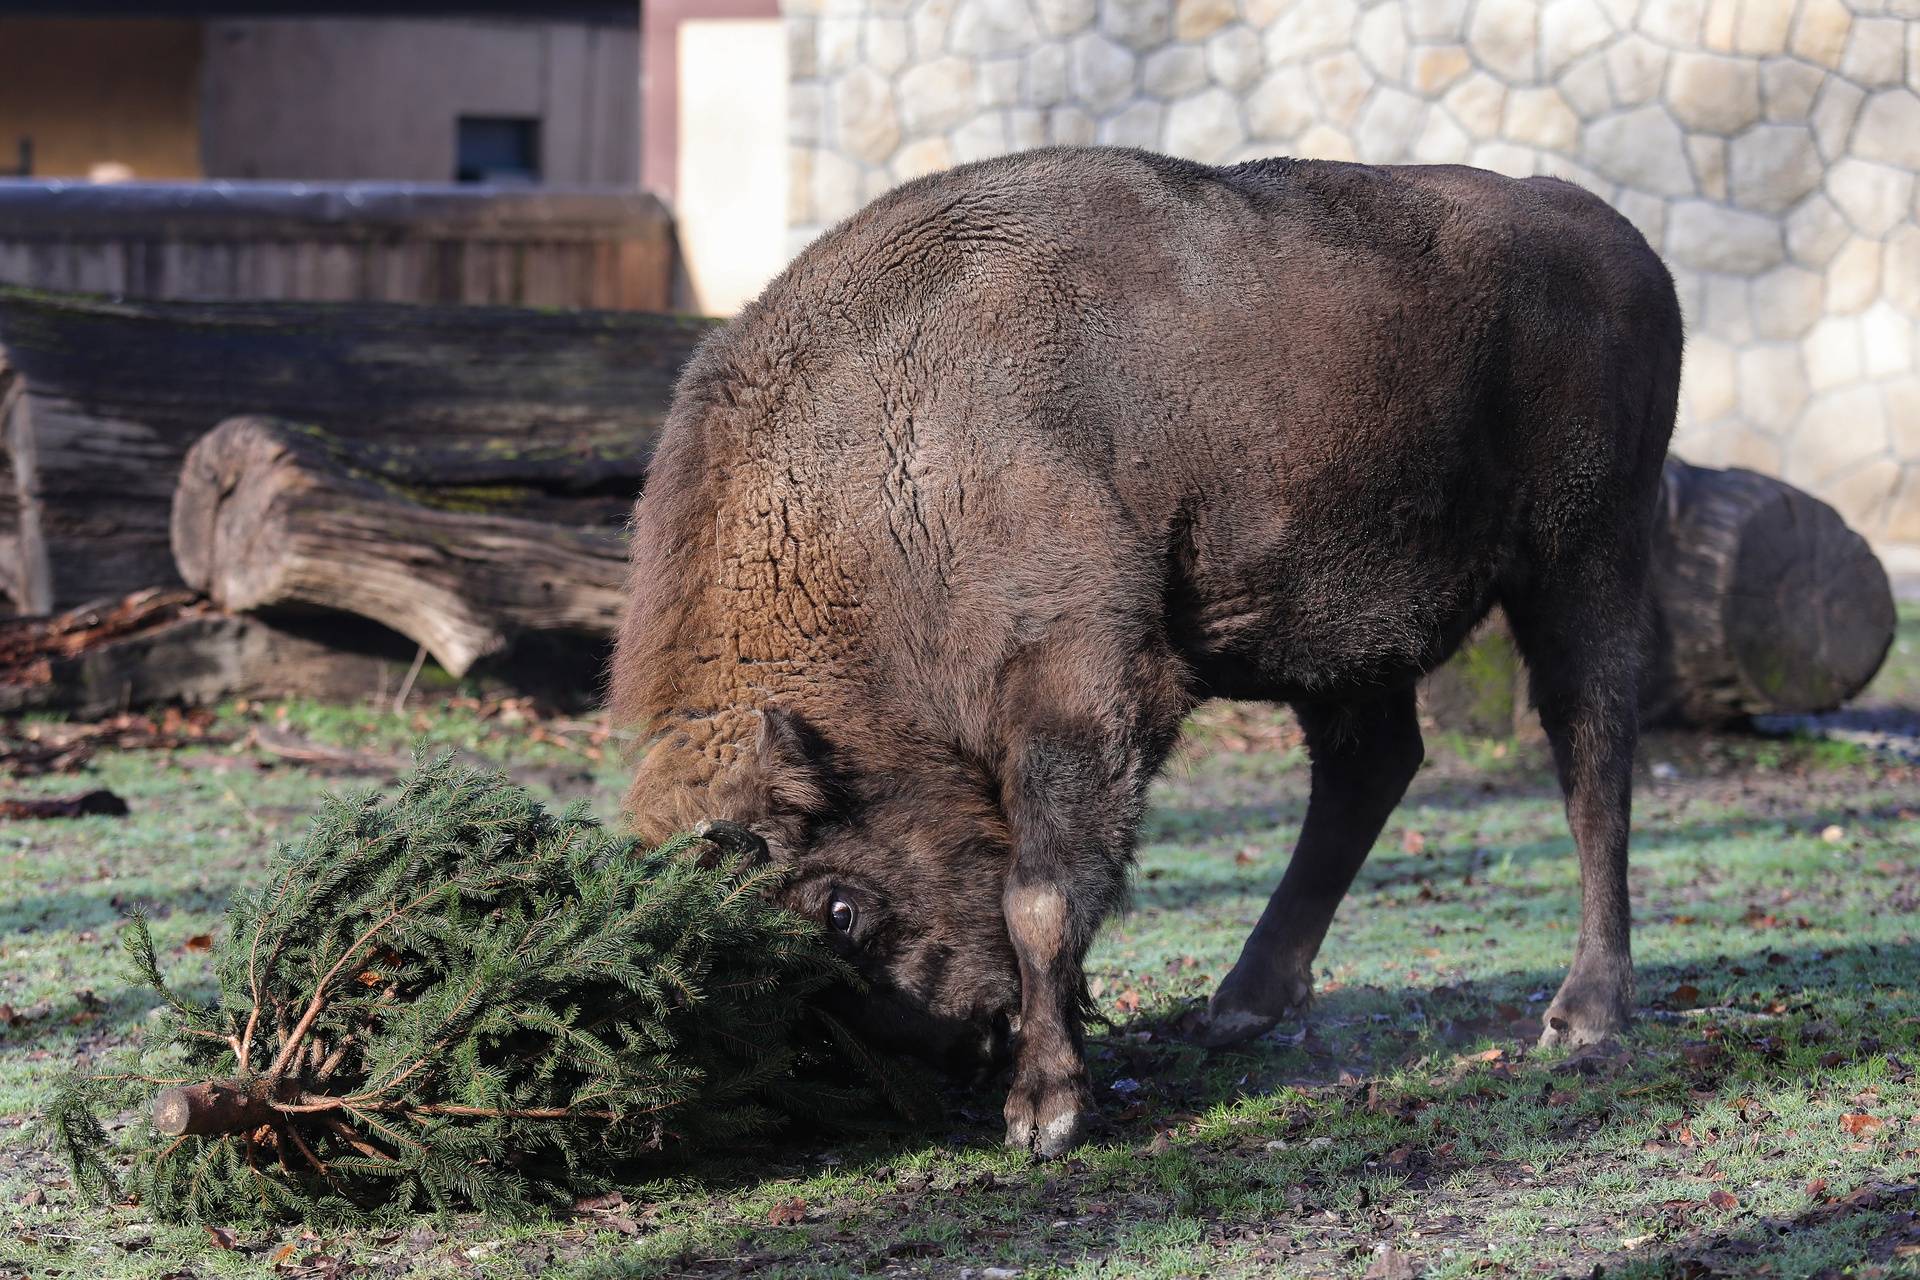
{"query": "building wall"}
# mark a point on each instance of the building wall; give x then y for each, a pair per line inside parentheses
(335, 99)
(1768, 148)
(90, 94)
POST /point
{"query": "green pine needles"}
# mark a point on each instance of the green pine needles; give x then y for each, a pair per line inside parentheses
(452, 997)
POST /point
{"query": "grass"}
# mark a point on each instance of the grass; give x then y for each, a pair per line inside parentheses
(1761, 1119)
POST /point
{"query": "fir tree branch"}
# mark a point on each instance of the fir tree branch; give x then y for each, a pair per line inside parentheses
(555, 1004)
(360, 1113)
(253, 980)
(293, 1135)
(333, 1060)
(319, 1001)
(354, 1140)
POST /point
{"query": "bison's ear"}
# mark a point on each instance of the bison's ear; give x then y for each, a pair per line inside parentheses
(792, 760)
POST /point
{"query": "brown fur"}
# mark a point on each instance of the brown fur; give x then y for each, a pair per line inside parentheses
(949, 530)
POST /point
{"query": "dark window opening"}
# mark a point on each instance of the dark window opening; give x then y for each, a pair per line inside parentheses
(498, 149)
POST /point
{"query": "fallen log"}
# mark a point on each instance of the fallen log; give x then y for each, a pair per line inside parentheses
(170, 646)
(29, 748)
(12, 589)
(1766, 603)
(269, 513)
(98, 803)
(552, 412)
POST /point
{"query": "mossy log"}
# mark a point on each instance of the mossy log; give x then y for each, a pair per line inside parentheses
(1765, 601)
(272, 514)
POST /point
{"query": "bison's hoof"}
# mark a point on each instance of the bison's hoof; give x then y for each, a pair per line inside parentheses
(1219, 1028)
(1245, 1009)
(1047, 1123)
(1586, 1012)
(1049, 1140)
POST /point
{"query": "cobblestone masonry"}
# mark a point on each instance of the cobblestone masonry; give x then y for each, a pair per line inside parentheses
(1769, 148)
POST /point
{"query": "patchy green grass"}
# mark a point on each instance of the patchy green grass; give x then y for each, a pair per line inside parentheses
(1898, 681)
(1759, 1120)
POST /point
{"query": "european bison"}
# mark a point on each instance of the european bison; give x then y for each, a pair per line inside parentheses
(950, 529)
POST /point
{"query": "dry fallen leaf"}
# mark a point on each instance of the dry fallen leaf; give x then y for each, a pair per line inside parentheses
(605, 1202)
(1127, 1001)
(223, 1237)
(1412, 841)
(787, 1212)
(1859, 1123)
(1723, 1200)
(1700, 1054)
(1391, 1264)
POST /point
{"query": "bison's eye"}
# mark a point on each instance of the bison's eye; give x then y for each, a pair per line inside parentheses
(843, 915)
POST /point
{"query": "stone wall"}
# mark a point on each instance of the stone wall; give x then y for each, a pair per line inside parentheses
(1768, 148)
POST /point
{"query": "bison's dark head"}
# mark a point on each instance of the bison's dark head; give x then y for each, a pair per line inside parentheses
(904, 868)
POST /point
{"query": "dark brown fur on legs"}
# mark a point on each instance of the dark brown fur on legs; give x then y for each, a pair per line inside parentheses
(1581, 641)
(1363, 756)
(948, 531)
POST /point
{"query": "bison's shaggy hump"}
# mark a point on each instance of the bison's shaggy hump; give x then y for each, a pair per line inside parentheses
(948, 529)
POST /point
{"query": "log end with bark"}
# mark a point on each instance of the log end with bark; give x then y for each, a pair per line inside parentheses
(214, 1107)
(1765, 602)
(1762, 602)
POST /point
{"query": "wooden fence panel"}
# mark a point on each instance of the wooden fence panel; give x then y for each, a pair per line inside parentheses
(340, 242)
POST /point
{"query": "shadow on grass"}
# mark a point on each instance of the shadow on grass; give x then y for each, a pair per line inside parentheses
(1387, 867)
(103, 907)
(1271, 1159)
(45, 1041)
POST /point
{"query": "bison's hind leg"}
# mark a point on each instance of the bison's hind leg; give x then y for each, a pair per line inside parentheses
(1581, 638)
(1363, 753)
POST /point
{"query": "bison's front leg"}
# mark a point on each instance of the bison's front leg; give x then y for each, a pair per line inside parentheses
(1049, 1101)
(1072, 818)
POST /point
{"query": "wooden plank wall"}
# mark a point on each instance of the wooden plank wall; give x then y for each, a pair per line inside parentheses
(356, 242)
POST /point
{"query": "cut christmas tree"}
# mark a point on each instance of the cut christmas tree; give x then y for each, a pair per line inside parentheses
(453, 997)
